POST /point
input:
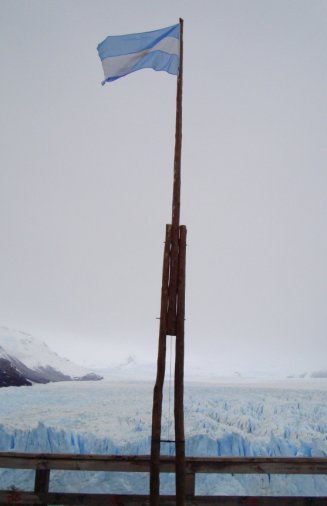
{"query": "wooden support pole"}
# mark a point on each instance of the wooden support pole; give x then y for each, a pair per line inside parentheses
(172, 303)
(179, 374)
(158, 389)
(172, 320)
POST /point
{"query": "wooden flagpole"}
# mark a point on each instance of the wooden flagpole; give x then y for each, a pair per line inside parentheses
(172, 316)
(176, 196)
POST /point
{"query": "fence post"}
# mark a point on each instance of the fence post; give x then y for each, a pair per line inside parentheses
(190, 484)
(41, 483)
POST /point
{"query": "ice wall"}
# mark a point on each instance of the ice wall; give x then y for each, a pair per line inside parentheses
(47, 439)
(116, 419)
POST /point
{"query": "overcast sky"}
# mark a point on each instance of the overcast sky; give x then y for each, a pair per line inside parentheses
(86, 180)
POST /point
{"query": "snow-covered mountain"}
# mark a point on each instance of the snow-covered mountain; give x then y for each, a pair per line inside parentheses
(25, 360)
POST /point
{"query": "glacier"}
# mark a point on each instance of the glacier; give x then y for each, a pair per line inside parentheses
(114, 417)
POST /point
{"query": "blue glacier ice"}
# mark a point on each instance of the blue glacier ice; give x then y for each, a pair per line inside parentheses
(115, 418)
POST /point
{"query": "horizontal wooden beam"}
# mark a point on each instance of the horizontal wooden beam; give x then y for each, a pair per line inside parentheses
(27, 498)
(141, 463)
(68, 462)
(257, 465)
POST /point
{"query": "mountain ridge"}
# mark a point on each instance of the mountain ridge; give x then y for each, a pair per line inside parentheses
(25, 360)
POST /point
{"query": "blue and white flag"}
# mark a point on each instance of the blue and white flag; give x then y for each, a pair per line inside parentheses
(123, 54)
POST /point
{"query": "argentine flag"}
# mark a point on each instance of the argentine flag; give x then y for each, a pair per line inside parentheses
(123, 54)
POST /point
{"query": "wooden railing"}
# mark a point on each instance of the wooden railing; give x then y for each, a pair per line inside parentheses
(44, 463)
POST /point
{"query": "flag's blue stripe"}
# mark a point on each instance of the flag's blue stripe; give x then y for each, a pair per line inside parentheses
(116, 45)
(157, 60)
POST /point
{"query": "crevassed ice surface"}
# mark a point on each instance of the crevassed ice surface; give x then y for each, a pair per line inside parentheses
(268, 419)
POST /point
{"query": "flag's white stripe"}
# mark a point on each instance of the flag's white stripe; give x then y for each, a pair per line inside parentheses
(120, 65)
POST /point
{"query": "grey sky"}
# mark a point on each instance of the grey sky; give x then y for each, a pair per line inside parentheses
(86, 180)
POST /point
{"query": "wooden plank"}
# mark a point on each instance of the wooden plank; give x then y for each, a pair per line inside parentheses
(77, 462)
(141, 463)
(257, 465)
(28, 498)
(172, 289)
(158, 388)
